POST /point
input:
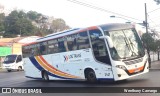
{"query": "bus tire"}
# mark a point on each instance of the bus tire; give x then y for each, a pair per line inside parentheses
(9, 70)
(45, 76)
(20, 68)
(90, 76)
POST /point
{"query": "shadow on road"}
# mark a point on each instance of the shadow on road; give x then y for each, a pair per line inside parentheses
(65, 83)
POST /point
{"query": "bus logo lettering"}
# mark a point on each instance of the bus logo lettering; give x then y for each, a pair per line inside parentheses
(65, 58)
(72, 56)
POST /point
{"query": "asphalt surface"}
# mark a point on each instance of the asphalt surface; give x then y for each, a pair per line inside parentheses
(17, 79)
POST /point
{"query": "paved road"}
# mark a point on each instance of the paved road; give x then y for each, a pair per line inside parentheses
(17, 79)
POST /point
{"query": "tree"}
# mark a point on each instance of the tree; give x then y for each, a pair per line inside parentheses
(158, 47)
(58, 25)
(17, 23)
(30, 23)
(157, 1)
(149, 42)
(2, 18)
(40, 21)
(33, 15)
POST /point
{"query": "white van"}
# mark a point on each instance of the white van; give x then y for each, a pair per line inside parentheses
(13, 62)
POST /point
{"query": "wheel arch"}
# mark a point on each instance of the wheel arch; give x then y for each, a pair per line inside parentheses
(42, 72)
(87, 70)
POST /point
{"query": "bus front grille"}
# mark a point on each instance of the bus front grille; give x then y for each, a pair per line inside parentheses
(133, 61)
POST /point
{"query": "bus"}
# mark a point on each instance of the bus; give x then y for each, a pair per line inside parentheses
(13, 62)
(104, 52)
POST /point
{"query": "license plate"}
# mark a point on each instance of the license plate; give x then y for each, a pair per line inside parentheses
(136, 70)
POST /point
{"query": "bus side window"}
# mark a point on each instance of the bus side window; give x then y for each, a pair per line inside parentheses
(83, 40)
(72, 43)
(43, 48)
(99, 46)
(25, 51)
(52, 46)
(61, 46)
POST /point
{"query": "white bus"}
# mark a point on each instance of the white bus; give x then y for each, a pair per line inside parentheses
(109, 51)
(13, 62)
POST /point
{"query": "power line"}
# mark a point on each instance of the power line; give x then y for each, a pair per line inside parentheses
(151, 20)
(101, 9)
(157, 17)
(155, 25)
(153, 10)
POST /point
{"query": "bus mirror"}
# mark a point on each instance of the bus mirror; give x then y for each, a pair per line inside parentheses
(109, 40)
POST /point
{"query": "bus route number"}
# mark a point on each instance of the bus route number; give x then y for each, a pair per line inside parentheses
(107, 74)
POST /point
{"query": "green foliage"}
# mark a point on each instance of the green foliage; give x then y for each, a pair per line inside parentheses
(32, 15)
(157, 1)
(30, 23)
(58, 25)
(158, 44)
(149, 42)
(18, 24)
(2, 17)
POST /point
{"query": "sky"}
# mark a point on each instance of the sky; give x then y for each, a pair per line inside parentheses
(76, 15)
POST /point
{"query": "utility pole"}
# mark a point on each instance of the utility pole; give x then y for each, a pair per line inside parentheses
(146, 25)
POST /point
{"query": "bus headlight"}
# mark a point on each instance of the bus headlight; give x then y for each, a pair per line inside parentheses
(121, 67)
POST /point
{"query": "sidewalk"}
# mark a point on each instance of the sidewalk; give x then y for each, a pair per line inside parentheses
(155, 65)
(2, 70)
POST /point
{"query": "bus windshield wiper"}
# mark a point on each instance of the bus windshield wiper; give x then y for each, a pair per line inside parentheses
(129, 44)
(132, 45)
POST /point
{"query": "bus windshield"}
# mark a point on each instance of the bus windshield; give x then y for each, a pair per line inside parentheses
(10, 59)
(127, 44)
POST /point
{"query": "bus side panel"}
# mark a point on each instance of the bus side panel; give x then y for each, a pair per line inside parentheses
(80, 60)
(74, 61)
(66, 66)
(53, 63)
(30, 69)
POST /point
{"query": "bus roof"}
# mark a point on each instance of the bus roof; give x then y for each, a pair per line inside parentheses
(105, 27)
(116, 26)
(61, 32)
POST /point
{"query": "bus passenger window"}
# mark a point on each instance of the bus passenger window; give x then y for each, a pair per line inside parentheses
(61, 46)
(26, 51)
(52, 46)
(70, 45)
(83, 40)
(43, 48)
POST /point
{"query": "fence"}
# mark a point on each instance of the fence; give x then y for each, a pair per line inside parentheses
(154, 56)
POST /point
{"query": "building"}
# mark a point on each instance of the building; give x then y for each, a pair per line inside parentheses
(13, 45)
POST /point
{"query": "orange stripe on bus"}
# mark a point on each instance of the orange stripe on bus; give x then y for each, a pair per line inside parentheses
(133, 70)
(50, 65)
(92, 28)
(53, 71)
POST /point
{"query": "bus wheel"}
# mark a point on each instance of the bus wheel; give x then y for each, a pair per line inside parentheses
(9, 70)
(19, 68)
(91, 76)
(45, 76)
